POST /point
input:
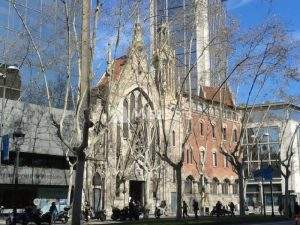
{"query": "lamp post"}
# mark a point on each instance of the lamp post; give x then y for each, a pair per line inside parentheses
(18, 138)
(258, 140)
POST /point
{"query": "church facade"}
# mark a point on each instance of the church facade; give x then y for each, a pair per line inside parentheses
(140, 116)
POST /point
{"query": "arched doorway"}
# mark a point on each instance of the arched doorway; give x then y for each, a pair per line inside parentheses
(98, 192)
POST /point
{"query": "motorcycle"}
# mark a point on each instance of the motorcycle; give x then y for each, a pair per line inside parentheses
(38, 217)
(15, 218)
(29, 215)
(62, 216)
(101, 215)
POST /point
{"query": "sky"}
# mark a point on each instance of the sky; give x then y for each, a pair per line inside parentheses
(253, 12)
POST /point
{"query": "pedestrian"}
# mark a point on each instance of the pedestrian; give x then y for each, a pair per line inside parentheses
(280, 209)
(53, 211)
(231, 207)
(195, 208)
(131, 209)
(218, 208)
(184, 209)
(297, 213)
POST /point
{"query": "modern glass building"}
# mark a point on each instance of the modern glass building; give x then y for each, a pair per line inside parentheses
(194, 29)
(273, 131)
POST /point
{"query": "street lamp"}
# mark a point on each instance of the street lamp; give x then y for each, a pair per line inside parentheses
(13, 68)
(18, 138)
(257, 140)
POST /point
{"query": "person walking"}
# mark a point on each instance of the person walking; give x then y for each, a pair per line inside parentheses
(231, 207)
(218, 208)
(184, 209)
(131, 209)
(53, 212)
(280, 209)
(195, 208)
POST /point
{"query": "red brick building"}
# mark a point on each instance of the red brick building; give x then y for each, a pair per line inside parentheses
(207, 174)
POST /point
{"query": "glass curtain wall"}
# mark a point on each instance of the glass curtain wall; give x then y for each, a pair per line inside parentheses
(181, 17)
(262, 156)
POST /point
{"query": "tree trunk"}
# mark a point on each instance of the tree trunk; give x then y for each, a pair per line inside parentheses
(241, 192)
(286, 200)
(84, 108)
(77, 201)
(179, 191)
(147, 188)
(70, 185)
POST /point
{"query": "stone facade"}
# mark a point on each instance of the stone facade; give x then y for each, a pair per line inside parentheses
(136, 115)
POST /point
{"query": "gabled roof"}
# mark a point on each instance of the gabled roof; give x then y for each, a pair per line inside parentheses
(117, 69)
(216, 94)
(100, 90)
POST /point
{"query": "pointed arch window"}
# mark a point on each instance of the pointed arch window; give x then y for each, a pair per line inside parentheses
(214, 159)
(152, 144)
(188, 186)
(173, 138)
(118, 150)
(189, 156)
(125, 118)
(224, 133)
(214, 186)
(201, 129)
(235, 187)
(225, 187)
(213, 131)
(139, 105)
(132, 107)
(235, 136)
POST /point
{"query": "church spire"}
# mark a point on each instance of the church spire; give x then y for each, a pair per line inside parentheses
(137, 30)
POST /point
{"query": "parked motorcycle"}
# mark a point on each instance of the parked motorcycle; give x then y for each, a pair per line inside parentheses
(120, 214)
(38, 217)
(125, 213)
(14, 218)
(62, 216)
(29, 215)
(100, 215)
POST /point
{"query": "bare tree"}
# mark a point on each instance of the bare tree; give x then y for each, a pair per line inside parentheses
(285, 161)
(264, 53)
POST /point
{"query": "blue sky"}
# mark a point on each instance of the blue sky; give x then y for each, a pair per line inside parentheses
(253, 12)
